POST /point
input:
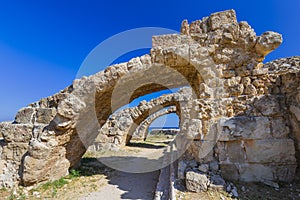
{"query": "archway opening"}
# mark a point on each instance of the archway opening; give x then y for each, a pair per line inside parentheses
(159, 129)
(141, 154)
(162, 130)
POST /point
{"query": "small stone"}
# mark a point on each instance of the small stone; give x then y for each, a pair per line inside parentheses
(271, 183)
(35, 193)
(214, 166)
(243, 188)
(184, 27)
(217, 182)
(45, 115)
(285, 65)
(250, 90)
(196, 181)
(25, 115)
(258, 83)
(181, 169)
(246, 81)
(234, 192)
(228, 73)
(203, 168)
(257, 72)
(228, 188)
(236, 90)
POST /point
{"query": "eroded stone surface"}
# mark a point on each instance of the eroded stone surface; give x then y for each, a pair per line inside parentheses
(196, 181)
(237, 106)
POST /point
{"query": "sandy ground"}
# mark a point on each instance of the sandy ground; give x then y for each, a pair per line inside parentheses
(122, 183)
(126, 186)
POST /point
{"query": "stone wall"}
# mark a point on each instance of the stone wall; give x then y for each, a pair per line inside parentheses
(171, 131)
(252, 137)
(29, 127)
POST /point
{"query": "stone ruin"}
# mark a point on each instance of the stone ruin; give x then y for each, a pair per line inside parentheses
(239, 115)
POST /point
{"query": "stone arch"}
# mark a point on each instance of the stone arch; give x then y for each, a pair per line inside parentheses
(119, 128)
(52, 135)
(141, 132)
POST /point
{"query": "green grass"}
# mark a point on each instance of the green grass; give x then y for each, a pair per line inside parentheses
(53, 186)
(12, 197)
(74, 174)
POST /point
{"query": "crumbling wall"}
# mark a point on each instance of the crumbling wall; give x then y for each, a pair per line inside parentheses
(28, 128)
(253, 137)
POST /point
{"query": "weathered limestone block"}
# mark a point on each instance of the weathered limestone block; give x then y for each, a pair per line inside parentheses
(228, 73)
(164, 41)
(244, 128)
(258, 172)
(194, 128)
(243, 71)
(170, 40)
(223, 20)
(250, 90)
(196, 181)
(296, 111)
(236, 90)
(45, 115)
(37, 170)
(184, 166)
(70, 107)
(38, 150)
(258, 151)
(268, 42)
(185, 29)
(247, 36)
(8, 174)
(290, 82)
(16, 132)
(269, 105)
(232, 81)
(25, 116)
(279, 128)
(199, 56)
(203, 151)
(38, 132)
(258, 72)
(14, 151)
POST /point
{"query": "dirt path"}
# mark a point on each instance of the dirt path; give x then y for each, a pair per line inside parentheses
(127, 186)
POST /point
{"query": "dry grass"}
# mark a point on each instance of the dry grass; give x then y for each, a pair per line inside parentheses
(88, 178)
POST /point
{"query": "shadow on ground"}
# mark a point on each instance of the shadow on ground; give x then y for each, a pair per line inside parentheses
(146, 145)
(121, 185)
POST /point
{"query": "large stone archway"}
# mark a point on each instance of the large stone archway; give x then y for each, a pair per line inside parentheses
(219, 58)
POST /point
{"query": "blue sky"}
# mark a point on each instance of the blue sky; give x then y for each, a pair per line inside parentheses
(43, 43)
